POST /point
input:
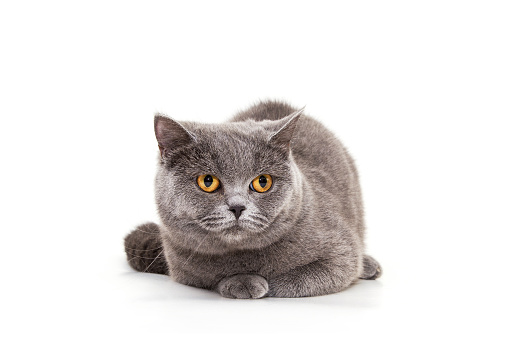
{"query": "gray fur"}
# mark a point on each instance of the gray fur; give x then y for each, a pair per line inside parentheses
(145, 250)
(303, 237)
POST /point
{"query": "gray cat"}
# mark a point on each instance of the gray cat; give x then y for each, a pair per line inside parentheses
(267, 204)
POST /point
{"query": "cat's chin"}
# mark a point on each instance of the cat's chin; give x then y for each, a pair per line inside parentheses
(233, 236)
(238, 231)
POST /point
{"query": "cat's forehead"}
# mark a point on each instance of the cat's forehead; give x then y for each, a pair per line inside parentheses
(234, 148)
(241, 129)
(232, 136)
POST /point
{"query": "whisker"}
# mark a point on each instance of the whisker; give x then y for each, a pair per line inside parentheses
(153, 261)
(269, 241)
(257, 223)
(142, 231)
(136, 249)
(259, 217)
(195, 250)
(139, 257)
(212, 219)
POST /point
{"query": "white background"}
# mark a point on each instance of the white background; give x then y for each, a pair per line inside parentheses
(418, 91)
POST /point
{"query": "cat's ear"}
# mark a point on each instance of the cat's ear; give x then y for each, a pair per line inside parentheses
(285, 129)
(170, 134)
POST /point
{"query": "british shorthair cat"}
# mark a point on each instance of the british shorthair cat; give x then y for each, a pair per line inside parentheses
(266, 204)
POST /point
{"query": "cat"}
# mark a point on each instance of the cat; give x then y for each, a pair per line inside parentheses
(267, 204)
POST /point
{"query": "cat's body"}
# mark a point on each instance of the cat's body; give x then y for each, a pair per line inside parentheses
(302, 237)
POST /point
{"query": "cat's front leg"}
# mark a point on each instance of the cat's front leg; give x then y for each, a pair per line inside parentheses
(243, 286)
(317, 278)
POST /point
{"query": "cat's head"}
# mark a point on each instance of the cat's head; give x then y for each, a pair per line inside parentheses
(226, 186)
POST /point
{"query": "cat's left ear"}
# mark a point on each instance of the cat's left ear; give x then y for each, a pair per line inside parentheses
(171, 135)
(284, 133)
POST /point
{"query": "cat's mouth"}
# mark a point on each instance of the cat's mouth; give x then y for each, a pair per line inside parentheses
(236, 230)
(240, 226)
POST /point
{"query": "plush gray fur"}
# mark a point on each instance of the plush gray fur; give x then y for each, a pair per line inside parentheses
(303, 237)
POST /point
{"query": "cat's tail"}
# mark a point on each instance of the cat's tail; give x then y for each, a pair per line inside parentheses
(372, 269)
(144, 249)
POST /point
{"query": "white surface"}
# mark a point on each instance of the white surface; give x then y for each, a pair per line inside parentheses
(418, 92)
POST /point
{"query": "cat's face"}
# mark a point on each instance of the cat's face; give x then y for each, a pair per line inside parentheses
(225, 184)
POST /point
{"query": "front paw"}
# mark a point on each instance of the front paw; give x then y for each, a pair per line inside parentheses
(243, 286)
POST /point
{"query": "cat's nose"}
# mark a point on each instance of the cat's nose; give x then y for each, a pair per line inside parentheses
(237, 210)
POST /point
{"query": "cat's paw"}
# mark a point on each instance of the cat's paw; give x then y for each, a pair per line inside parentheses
(371, 268)
(243, 286)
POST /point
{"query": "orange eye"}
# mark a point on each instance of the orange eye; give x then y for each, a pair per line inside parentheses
(261, 183)
(208, 183)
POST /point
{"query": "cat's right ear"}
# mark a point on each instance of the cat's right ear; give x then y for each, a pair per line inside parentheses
(283, 135)
(170, 135)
